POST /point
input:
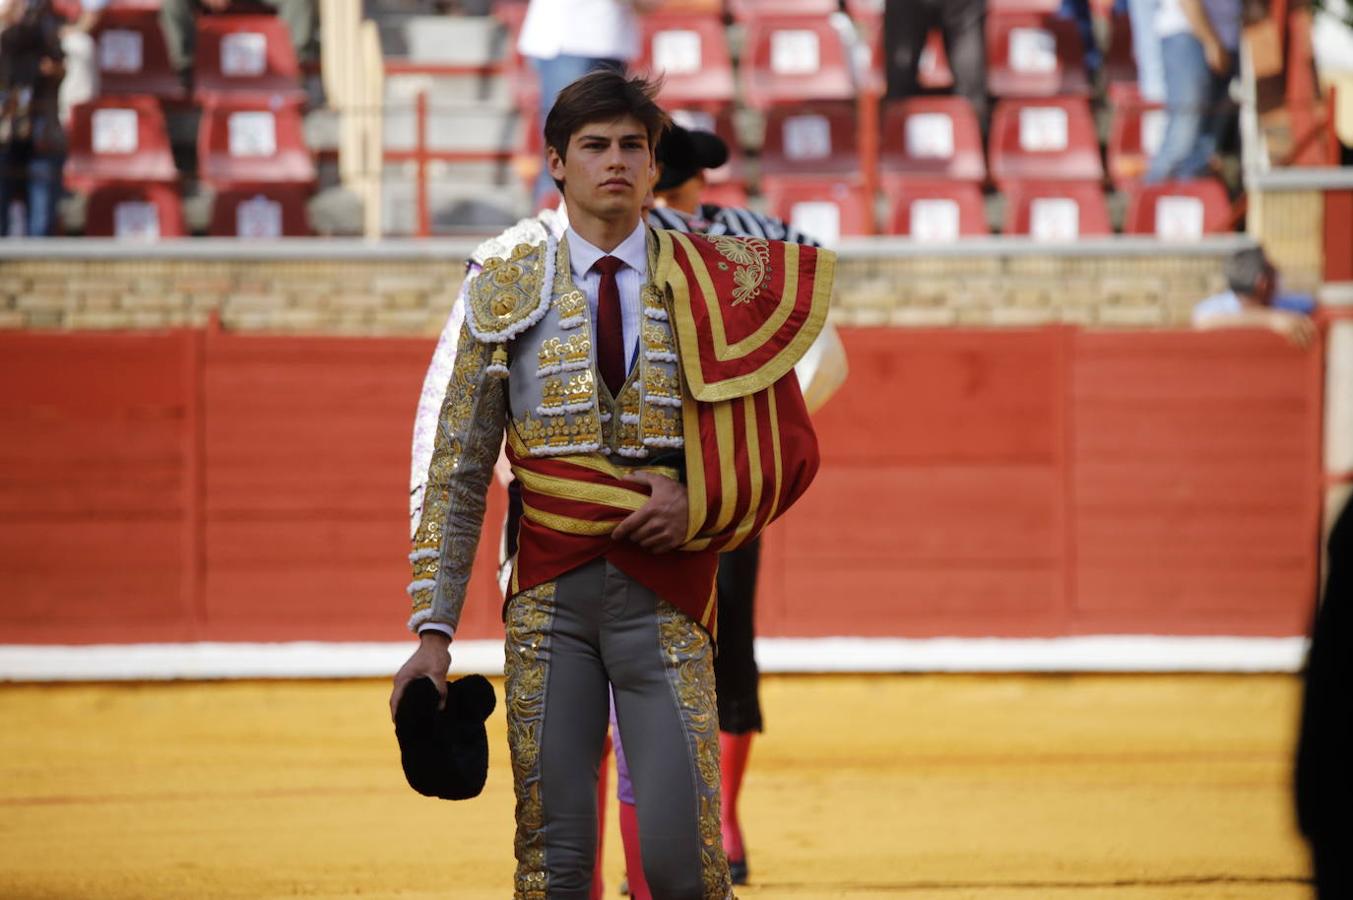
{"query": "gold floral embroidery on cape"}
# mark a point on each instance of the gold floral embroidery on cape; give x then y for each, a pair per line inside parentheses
(751, 260)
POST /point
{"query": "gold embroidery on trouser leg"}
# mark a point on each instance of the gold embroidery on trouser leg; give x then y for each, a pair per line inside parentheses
(529, 616)
(690, 670)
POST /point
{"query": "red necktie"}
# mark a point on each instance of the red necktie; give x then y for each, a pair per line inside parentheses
(610, 330)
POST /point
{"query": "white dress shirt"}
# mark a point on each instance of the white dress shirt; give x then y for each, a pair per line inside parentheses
(629, 279)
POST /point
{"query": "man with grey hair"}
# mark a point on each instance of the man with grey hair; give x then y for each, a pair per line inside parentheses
(1252, 281)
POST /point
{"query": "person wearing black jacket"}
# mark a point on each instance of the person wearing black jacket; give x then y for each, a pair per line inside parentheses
(1324, 766)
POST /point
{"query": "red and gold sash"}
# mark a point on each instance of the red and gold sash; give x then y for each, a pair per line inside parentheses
(570, 506)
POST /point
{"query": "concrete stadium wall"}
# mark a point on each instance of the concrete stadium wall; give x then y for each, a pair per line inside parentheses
(194, 484)
(406, 288)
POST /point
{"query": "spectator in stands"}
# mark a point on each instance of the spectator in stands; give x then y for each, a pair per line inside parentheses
(963, 23)
(1198, 46)
(178, 21)
(81, 83)
(1252, 281)
(32, 143)
(566, 39)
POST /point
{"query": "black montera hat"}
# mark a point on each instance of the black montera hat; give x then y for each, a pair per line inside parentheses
(683, 154)
(445, 753)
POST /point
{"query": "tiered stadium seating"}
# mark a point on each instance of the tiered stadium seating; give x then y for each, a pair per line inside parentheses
(930, 137)
(691, 54)
(1052, 139)
(936, 211)
(810, 169)
(245, 58)
(1034, 55)
(793, 59)
(118, 141)
(1056, 210)
(131, 55)
(1179, 210)
(145, 211)
(810, 143)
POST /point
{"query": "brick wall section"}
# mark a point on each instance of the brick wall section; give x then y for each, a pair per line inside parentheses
(359, 289)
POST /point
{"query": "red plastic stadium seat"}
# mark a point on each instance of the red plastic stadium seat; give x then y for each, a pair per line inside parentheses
(1056, 211)
(134, 212)
(118, 139)
(1051, 140)
(823, 209)
(1134, 136)
(937, 211)
(691, 53)
(253, 143)
(812, 140)
(1179, 210)
(743, 10)
(260, 211)
(247, 57)
(1034, 55)
(790, 60)
(131, 55)
(1119, 63)
(934, 137)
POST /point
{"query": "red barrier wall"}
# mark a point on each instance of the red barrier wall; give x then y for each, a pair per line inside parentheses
(207, 486)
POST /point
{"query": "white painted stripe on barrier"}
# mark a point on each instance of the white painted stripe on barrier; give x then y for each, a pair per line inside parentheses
(1108, 653)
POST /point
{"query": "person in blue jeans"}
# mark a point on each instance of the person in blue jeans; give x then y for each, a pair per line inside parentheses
(1198, 47)
(32, 143)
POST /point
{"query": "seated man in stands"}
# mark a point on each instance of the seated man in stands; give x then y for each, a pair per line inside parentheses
(32, 144)
(178, 21)
(1253, 282)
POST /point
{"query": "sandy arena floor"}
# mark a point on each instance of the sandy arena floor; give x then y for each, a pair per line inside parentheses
(997, 788)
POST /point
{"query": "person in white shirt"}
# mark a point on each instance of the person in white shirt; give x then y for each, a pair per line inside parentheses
(1198, 46)
(1248, 303)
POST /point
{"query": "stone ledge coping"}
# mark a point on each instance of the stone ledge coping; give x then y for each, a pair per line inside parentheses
(456, 249)
(1306, 178)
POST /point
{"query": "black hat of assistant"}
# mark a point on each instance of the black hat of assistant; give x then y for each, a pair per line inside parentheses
(683, 153)
(445, 752)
